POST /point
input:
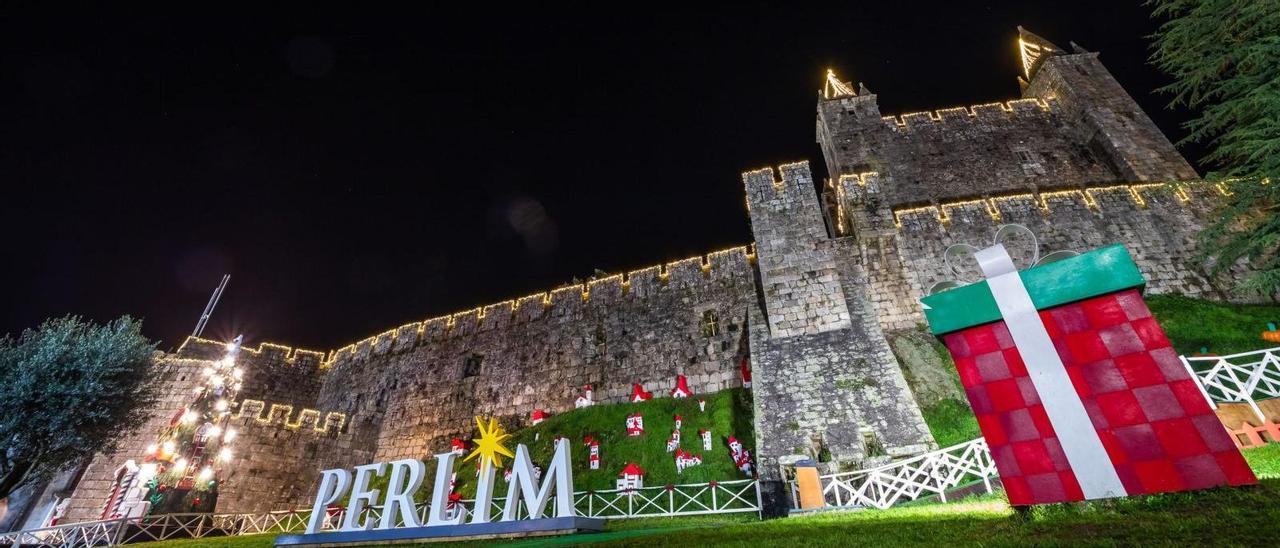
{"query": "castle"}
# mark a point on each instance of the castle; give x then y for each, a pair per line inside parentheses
(834, 267)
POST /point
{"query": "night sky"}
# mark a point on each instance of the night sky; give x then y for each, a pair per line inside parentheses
(357, 171)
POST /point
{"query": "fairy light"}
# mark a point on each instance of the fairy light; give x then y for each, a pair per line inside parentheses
(206, 474)
(237, 373)
(221, 405)
(229, 435)
(151, 449)
(214, 431)
(834, 88)
(189, 417)
(168, 447)
(224, 454)
(217, 381)
(968, 111)
(1086, 196)
(181, 464)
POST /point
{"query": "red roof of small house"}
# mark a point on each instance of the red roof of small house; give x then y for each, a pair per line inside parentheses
(682, 384)
(632, 470)
(458, 443)
(538, 414)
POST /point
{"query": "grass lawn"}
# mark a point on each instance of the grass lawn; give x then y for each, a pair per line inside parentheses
(1221, 328)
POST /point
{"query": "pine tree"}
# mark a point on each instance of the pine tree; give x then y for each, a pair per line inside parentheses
(1224, 57)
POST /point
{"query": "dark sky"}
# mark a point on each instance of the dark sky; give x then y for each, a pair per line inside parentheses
(356, 171)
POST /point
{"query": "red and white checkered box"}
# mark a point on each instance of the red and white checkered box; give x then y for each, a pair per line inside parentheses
(1153, 421)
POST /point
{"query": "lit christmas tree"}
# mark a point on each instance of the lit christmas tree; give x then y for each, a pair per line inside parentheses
(182, 467)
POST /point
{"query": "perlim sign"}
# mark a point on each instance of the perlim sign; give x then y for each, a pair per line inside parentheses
(399, 519)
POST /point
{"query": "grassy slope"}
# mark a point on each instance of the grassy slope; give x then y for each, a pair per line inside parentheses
(1222, 328)
(728, 414)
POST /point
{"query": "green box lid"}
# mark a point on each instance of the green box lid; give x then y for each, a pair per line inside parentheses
(1097, 272)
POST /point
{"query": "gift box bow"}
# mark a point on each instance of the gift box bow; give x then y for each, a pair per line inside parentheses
(1098, 272)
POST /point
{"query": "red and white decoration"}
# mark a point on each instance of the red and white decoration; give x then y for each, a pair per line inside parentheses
(741, 457)
(682, 388)
(632, 478)
(635, 424)
(674, 441)
(537, 417)
(745, 367)
(458, 447)
(1084, 398)
(706, 439)
(593, 459)
(702, 406)
(587, 399)
(638, 394)
(685, 459)
(679, 421)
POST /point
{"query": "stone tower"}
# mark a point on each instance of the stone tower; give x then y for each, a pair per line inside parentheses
(1103, 116)
(1075, 160)
(827, 385)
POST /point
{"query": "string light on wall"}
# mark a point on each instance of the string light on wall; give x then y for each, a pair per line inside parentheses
(1087, 196)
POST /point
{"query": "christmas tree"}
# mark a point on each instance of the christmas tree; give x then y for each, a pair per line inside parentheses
(183, 465)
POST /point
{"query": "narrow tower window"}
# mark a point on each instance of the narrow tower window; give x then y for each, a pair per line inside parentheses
(710, 324)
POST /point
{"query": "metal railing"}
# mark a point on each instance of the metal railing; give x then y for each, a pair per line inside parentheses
(1238, 378)
(929, 474)
(672, 500)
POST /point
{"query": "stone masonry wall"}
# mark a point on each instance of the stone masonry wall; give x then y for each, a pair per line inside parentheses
(836, 394)
(424, 385)
(178, 378)
(278, 459)
(953, 153)
(1160, 234)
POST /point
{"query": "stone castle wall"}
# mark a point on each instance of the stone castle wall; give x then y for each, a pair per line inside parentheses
(423, 384)
(948, 154)
(1158, 224)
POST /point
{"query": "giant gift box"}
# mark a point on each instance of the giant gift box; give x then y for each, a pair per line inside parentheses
(1075, 386)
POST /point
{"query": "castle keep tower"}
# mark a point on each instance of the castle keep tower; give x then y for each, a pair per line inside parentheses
(1075, 160)
(827, 385)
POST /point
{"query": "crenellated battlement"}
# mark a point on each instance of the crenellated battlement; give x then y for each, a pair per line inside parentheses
(786, 178)
(725, 264)
(1092, 198)
(971, 112)
(201, 348)
(280, 415)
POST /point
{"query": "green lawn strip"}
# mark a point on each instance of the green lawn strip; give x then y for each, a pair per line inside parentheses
(1223, 328)
(951, 422)
(243, 541)
(1264, 460)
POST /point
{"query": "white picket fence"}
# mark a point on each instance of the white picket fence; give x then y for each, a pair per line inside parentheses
(930, 474)
(674, 500)
(1238, 378)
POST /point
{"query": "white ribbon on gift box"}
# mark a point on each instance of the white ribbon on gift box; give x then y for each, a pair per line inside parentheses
(1080, 443)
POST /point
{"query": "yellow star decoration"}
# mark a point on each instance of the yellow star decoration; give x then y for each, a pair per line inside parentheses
(489, 444)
